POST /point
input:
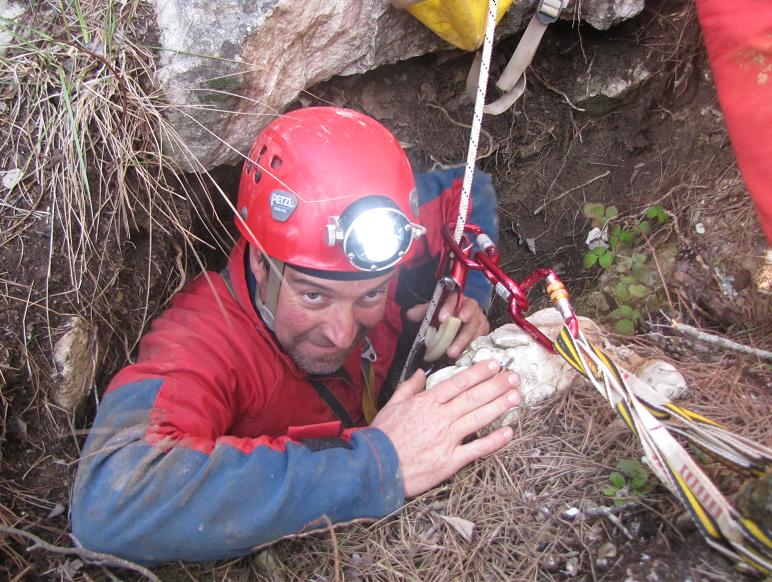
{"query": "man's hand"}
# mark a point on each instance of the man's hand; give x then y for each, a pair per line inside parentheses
(427, 427)
(473, 319)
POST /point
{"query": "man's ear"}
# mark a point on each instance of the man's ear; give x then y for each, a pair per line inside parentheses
(258, 265)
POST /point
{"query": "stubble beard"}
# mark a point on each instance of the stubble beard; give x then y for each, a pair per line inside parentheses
(325, 364)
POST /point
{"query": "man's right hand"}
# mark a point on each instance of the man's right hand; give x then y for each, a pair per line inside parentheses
(427, 427)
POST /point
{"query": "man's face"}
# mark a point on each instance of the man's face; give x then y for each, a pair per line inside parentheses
(319, 321)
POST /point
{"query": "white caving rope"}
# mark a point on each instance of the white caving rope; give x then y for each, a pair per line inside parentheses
(471, 157)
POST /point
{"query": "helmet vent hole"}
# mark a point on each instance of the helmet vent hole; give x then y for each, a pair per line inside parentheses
(263, 149)
(257, 176)
(275, 162)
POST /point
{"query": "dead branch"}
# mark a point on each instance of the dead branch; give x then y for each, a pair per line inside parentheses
(96, 558)
(716, 340)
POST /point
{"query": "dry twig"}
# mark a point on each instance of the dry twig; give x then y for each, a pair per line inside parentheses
(574, 189)
(96, 558)
(716, 340)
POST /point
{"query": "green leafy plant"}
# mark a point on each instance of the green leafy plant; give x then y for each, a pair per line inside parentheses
(599, 214)
(656, 211)
(626, 318)
(630, 482)
(632, 277)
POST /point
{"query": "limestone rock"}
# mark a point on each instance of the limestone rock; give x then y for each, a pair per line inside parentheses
(603, 14)
(228, 67)
(543, 374)
(9, 12)
(76, 357)
(600, 89)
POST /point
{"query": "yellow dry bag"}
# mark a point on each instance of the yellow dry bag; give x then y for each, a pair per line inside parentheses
(460, 22)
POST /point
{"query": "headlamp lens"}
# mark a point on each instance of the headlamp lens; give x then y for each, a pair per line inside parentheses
(376, 238)
(376, 234)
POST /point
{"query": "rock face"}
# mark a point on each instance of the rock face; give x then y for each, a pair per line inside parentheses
(228, 67)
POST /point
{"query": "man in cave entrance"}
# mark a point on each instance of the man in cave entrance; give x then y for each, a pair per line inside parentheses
(258, 406)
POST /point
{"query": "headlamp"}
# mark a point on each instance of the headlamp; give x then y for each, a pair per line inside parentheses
(374, 232)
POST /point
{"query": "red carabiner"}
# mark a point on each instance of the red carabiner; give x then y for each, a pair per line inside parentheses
(486, 260)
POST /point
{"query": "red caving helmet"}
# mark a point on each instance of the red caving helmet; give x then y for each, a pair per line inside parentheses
(329, 189)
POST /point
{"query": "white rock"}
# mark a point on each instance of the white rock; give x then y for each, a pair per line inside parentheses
(76, 356)
(9, 12)
(663, 377)
(11, 178)
(542, 373)
(442, 374)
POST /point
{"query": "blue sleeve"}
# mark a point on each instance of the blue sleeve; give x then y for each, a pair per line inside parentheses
(154, 503)
(432, 185)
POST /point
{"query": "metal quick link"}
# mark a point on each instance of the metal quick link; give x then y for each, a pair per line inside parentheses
(549, 10)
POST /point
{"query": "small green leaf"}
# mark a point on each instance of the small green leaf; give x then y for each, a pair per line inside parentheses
(611, 212)
(638, 259)
(593, 210)
(617, 479)
(590, 259)
(644, 276)
(646, 488)
(610, 491)
(618, 313)
(635, 315)
(638, 291)
(626, 237)
(662, 216)
(651, 211)
(628, 466)
(625, 327)
(637, 481)
(621, 292)
(644, 227)
(606, 260)
(599, 251)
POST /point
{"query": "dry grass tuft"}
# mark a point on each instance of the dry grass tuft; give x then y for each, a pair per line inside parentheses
(94, 222)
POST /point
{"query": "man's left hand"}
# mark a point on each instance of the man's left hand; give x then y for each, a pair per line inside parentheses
(473, 319)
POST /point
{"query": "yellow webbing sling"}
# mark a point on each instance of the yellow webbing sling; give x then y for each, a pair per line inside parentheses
(654, 420)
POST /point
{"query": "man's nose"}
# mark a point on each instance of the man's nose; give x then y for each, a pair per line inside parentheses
(342, 327)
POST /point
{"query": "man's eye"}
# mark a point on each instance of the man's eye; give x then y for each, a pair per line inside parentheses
(372, 295)
(312, 296)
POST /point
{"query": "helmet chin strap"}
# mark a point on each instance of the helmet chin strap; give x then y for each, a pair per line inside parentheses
(267, 308)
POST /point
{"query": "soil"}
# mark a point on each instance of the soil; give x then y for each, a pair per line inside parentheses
(663, 141)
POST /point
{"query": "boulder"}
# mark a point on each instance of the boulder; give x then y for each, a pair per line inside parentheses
(228, 67)
(543, 374)
(603, 14)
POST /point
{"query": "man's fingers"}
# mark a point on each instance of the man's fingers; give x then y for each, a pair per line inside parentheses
(448, 389)
(417, 312)
(482, 416)
(469, 331)
(409, 387)
(485, 392)
(482, 446)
